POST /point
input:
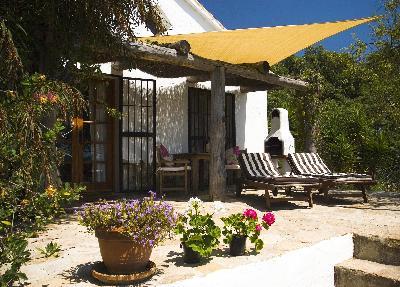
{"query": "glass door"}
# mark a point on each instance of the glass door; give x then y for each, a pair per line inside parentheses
(89, 159)
(138, 135)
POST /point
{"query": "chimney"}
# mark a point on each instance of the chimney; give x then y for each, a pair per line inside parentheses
(279, 141)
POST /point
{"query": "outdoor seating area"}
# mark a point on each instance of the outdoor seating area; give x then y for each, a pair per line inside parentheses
(258, 171)
(308, 175)
(169, 167)
(311, 164)
(144, 143)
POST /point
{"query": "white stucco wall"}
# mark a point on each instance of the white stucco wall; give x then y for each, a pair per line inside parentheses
(256, 123)
(185, 16)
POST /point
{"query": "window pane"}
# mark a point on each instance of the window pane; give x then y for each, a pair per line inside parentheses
(101, 132)
(100, 152)
(100, 172)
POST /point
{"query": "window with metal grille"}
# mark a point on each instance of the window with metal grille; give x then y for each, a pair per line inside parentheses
(200, 119)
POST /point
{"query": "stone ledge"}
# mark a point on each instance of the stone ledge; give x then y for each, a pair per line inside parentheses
(363, 273)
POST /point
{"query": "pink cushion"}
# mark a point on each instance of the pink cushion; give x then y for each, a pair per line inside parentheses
(166, 156)
(163, 151)
(232, 155)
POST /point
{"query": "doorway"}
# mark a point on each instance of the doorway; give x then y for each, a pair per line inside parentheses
(89, 144)
(137, 135)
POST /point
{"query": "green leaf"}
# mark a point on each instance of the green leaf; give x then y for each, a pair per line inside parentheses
(5, 222)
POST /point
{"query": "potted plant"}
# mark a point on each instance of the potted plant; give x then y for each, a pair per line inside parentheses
(127, 231)
(240, 226)
(200, 234)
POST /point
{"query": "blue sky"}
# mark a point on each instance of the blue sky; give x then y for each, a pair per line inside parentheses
(236, 14)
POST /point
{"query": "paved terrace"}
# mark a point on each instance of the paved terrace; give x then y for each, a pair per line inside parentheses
(297, 227)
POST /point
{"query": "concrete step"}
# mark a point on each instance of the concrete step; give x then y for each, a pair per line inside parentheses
(377, 249)
(363, 273)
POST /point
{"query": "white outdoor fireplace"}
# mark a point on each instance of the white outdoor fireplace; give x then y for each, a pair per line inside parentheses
(280, 142)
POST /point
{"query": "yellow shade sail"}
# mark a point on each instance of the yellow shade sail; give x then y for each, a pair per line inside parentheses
(271, 44)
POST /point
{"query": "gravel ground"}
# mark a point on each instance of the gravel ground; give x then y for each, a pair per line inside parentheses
(296, 226)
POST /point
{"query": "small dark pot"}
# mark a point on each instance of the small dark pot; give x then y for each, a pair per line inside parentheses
(189, 255)
(238, 245)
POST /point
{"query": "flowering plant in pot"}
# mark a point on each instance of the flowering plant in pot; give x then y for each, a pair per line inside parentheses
(240, 226)
(127, 230)
(200, 234)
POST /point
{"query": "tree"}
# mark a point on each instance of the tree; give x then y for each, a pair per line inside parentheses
(40, 44)
(331, 76)
(52, 36)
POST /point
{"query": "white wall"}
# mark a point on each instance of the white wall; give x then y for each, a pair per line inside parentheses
(256, 126)
(185, 17)
(172, 117)
(240, 119)
(311, 266)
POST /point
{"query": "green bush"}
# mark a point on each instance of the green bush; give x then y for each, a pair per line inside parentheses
(199, 231)
(31, 194)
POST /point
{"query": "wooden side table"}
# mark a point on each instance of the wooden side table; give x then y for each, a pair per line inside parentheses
(194, 158)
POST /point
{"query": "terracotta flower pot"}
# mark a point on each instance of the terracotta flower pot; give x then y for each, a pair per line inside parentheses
(189, 255)
(120, 254)
(238, 245)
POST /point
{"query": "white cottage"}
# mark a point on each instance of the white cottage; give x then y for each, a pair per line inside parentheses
(111, 155)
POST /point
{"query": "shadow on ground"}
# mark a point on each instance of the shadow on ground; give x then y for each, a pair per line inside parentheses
(82, 274)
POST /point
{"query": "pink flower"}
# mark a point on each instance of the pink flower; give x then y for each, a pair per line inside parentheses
(52, 97)
(250, 213)
(269, 218)
(258, 227)
(236, 150)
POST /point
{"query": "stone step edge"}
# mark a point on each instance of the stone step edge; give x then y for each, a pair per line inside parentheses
(369, 270)
(385, 250)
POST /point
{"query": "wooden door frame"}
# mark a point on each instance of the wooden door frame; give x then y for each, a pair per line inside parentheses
(77, 146)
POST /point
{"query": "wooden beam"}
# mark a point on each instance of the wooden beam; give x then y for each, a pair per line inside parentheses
(262, 67)
(217, 135)
(171, 56)
(197, 79)
(182, 47)
(249, 89)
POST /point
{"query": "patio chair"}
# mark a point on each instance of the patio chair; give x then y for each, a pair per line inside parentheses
(311, 164)
(259, 172)
(168, 167)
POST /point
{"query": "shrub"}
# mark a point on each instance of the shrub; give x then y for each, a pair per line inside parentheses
(247, 224)
(31, 194)
(146, 221)
(198, 231)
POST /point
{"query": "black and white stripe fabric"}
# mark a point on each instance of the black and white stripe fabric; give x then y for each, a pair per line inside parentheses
(259, 166)
(313, 165)
(308, 163)
(255, 165)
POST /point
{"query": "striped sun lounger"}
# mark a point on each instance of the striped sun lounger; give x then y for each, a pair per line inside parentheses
(311, 164)
(258, 171)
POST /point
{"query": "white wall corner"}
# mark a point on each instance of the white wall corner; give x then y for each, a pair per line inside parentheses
(256, 127)
(240, 119)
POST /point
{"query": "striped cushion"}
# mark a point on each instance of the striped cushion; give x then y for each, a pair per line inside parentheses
(312, 164)
(257, 165)
(308, 164)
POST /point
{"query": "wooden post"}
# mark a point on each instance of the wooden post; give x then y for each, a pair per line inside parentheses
(217, 135)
